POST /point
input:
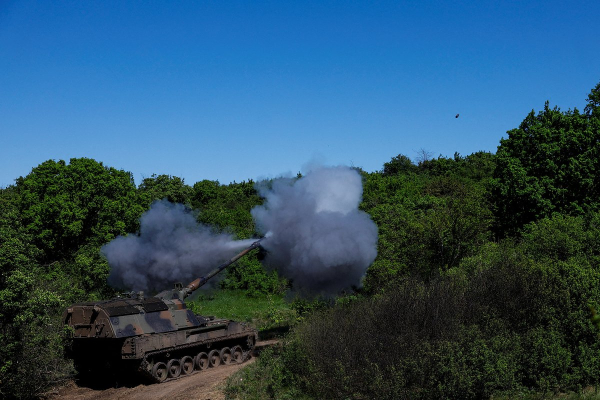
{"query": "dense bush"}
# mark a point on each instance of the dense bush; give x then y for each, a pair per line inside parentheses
(31, 340)
(248, 274)
(513, 317)
(426, 224)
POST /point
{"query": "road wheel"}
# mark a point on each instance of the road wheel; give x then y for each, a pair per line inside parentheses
(214, 358)
(160, 371)
(226, 356)
(174, 368)
(187, 365)
(202, 361)
(237, 355)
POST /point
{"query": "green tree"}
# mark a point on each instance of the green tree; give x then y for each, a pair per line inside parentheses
(593, 102)
(66, 207)
(226, 207)
(160, 187)
(426, 223)
(478, 166)
(400, 164)
(205, 192)
(31, 337)
(458, 221)
(551, 163)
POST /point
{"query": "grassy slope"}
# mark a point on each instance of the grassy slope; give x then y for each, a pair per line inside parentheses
(269, 314)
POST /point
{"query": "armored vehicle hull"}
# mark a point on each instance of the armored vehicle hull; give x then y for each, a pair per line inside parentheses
(157, 337)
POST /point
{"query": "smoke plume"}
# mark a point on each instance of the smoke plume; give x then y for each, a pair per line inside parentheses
(170, 247)
(316, 235)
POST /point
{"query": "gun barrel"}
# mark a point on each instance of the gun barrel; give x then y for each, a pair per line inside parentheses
(202, 280)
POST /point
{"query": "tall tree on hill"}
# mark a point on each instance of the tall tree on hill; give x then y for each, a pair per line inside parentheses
(159, 187)
(400, 164)
(593, 102)
(67, 206)
(550, 164)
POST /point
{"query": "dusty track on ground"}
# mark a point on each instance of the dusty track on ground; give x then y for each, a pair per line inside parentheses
(205, 385)
(201, 385)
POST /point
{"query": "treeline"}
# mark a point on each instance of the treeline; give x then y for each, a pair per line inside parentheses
(486, 280)
(53, 223)
(487, 266)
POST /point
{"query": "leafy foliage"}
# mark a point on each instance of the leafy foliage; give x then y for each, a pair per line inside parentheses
(503, 321)
(426, 223)
(31, 348)
(549, 164)
(226, 207)
(267, 379)
(593, 102)
(248, 274)
(400, 164)
(478, 166)
(159, 187)
(67, 206)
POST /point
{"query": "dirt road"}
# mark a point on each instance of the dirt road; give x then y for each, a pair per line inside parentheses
(205, 385)
(201, 385)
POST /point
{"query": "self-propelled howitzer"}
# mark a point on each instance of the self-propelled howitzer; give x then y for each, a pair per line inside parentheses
(156, 336)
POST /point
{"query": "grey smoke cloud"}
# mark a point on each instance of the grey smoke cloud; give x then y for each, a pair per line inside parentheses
(316, 235)
(170, 247)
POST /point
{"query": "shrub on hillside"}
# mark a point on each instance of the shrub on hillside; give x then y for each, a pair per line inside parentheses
(507, 320)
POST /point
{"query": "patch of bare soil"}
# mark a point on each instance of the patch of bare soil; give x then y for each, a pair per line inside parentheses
(200, 385)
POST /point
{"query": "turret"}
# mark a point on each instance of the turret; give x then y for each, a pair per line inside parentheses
(137, 314)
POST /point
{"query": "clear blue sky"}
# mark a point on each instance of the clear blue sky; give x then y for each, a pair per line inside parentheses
(231, 91)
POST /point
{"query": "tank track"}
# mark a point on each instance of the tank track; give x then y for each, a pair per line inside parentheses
(247, 348)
